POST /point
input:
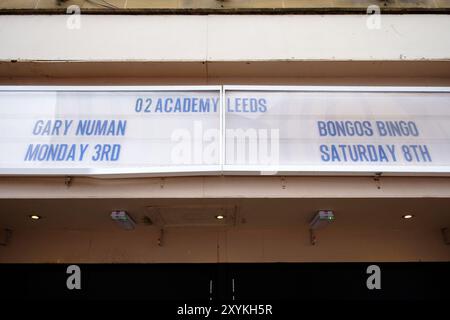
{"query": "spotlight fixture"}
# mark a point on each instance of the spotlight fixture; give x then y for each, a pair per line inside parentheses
(407, 216)
(220, 217)
(123, 219)
(35, 217)
(321, 219)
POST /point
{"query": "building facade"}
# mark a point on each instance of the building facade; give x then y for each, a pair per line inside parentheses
(367, 60)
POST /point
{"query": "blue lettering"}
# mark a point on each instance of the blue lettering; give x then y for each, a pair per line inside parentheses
(324, 151)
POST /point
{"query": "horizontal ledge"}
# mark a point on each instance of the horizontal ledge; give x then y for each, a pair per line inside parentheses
(232, 11)
(217, 69)
(225, 187)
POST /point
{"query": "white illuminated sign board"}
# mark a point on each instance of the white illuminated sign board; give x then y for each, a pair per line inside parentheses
(88, 130)
(224, 130)
(377, 130)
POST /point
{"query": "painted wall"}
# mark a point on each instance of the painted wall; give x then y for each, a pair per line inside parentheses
(265, 230)
(224, 38)
(249, 245)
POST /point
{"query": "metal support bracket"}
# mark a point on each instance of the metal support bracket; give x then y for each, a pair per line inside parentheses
(67, 181)
(7, 233)
(283, 183)
(377, 179)
(446, 235)
(161, 238)
(312, 237)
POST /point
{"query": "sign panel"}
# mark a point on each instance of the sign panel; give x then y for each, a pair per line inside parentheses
(224, 130)
(89, 130)
(312, 130)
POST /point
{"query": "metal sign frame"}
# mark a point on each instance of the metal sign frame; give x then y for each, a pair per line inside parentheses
(222, 168)
(181, 170)
(333, 170)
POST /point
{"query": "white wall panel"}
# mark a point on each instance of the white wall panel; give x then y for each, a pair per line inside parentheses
(224, 38)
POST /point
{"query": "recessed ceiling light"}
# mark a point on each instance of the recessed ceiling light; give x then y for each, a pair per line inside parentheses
(407, 216)
(220, 217)
(35, 217)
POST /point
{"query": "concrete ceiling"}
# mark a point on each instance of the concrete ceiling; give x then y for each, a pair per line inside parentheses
(351, 214)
